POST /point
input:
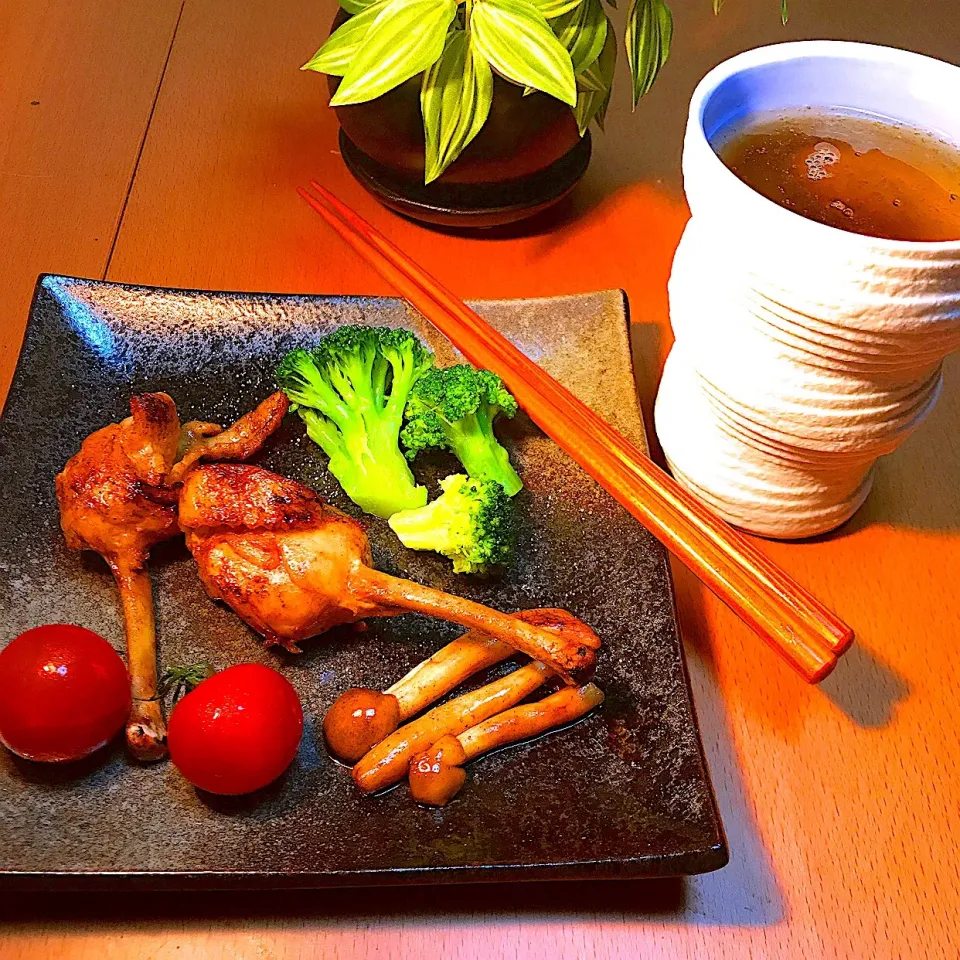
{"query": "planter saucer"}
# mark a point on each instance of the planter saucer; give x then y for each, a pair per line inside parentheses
(471, 206)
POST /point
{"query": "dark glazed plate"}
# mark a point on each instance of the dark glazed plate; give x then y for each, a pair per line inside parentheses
(624, 793)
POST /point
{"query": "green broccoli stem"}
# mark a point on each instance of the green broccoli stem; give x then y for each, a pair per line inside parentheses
(370, 467)
(484, 459)
(405, 374)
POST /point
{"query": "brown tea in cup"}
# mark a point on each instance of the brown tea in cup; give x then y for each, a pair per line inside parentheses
(857, 173)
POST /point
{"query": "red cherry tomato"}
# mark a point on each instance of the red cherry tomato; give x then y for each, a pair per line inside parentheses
(237, 731)
(64, 692)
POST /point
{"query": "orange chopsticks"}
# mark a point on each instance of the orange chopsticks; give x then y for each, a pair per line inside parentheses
(801, 629)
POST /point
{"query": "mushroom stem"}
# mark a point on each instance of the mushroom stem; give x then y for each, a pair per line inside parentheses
(447, 668)
(529, 720)
(146, 730)
(436, 774)
(462, 658)
(389, 761)
(360, 717)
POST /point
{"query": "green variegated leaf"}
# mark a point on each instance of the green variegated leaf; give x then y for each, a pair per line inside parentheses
(592, 101)
(784, 12)
(342, 45)
(587, 83)
(588, 102)
(356, 6)
(649, 34)
(405, 39)
(598, 76)
(591, 105)
(455, 100)
(555, 8)
(583, 32)
(601, 116)
(717, 6)
(517, 41)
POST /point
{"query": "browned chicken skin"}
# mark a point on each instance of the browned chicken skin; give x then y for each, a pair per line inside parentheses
(108, 492)
(112, 502)
(293, 567)
(273, 551)
(116, 499)
(238, 442)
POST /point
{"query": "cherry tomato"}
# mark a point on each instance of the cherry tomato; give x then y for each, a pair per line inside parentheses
(64, 692)
(237, 731)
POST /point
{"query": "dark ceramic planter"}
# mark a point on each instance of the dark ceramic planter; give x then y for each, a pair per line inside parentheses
(528, 156)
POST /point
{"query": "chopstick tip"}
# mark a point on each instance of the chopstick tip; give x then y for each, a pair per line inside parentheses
(823, 671)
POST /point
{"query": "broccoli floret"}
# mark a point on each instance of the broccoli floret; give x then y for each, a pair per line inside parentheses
(351, 390)
(472, 522)
(454, 409)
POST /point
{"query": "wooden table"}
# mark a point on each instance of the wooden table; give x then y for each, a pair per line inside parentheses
(159, 141)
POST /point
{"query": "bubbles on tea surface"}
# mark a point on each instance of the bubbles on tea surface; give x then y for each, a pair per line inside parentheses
(842, 207)
(852, 173)
(824, 155)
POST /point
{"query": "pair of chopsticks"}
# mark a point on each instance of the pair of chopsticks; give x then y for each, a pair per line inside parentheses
(800, 628)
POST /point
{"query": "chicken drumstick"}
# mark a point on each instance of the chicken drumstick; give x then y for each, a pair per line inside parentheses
(112, 501)
(292, 567)
(115, 499)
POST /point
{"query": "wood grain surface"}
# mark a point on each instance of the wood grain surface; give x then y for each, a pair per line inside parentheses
(77, 85)
(842, 803)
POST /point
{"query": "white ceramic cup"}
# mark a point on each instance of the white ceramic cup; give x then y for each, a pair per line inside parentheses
(803, 352)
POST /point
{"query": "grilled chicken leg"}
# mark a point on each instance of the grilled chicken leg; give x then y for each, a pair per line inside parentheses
(116, 499)
(293, 567)
(112, 501)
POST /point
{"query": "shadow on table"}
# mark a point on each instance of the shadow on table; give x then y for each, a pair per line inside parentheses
(747, 892)
(864, 688)
(560, 900)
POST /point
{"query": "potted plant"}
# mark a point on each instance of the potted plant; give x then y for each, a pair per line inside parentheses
(477, 112)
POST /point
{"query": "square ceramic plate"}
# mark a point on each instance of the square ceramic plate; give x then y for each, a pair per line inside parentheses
(624, 793)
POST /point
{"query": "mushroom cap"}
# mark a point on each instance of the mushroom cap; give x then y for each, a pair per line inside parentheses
(436, 774)
(358, 719)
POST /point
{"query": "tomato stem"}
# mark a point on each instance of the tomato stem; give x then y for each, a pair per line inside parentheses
(180, 680)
